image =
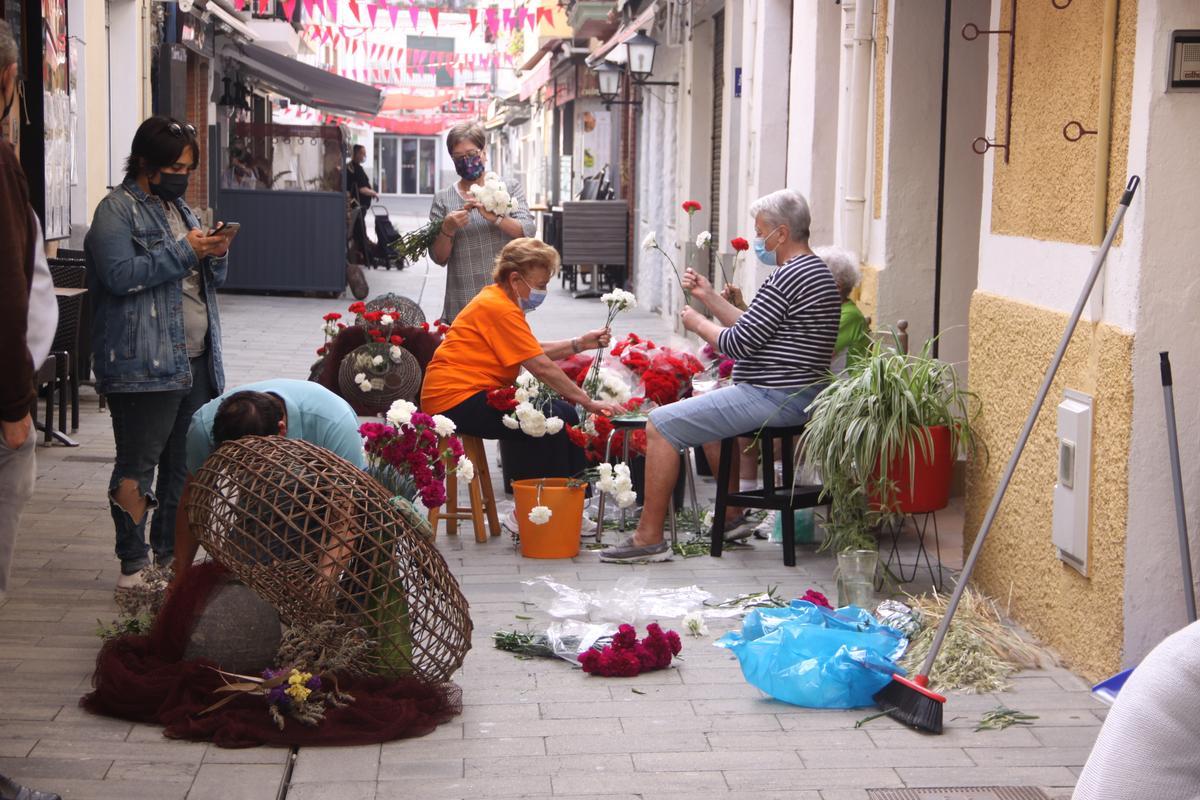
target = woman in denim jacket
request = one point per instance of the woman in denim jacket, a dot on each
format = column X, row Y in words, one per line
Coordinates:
column 156, row 334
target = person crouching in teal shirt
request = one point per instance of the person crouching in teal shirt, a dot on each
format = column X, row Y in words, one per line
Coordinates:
column 854, row 333
column 279, row 407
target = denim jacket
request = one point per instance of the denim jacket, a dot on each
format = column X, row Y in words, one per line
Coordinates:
column 135, row 276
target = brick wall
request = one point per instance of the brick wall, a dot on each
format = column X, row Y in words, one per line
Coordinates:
column 197, row 113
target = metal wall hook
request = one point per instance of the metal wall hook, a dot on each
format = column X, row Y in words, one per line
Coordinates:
column 971, row 32
column 1060, row 4
column 982, row 144
column 1078, row 129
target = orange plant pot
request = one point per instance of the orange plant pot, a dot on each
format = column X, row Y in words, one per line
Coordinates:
column 558, row 537
column 929, row 489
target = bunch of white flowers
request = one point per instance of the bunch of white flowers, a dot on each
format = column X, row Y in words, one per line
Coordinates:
column 619, row 300
column 532, row 396
column 396, row 353
column 540, row 515
column 401, row 412
column 364, row 383
column 704, row 240
column 493, row 195
column 616, row 480
column 610, row 387
column 377, row 361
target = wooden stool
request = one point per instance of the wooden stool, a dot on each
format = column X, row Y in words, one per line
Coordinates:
column 483, row 500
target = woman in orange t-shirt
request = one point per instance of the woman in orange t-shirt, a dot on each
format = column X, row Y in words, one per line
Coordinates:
column 488, row 344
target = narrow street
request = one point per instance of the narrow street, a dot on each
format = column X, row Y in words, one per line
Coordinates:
column 530, row 728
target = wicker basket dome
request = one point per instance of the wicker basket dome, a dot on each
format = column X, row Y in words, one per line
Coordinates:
column 318, row 539
column 407, row 312
column 396, row 379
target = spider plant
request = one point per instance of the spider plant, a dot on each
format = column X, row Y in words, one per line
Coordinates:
column 880, row 408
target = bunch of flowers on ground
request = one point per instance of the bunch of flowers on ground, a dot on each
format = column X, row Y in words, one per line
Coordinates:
column 412, row 451
column 290, row 692
column 616, row 480
column 626, row 657
column 525, row 405
column 493, row 195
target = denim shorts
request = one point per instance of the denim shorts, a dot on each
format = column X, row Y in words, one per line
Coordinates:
column 731, row 411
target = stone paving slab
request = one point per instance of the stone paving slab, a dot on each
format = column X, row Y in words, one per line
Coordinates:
column 530, row 728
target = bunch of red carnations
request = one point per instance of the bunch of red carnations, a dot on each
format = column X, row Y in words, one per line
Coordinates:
column 627, row 657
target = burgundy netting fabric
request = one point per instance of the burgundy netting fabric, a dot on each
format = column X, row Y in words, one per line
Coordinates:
column 144, row 679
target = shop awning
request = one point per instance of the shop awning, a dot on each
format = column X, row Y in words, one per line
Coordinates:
column 627, row 32
column 305, row 84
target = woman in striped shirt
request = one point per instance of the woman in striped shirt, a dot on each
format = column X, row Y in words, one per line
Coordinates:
column 782, row 345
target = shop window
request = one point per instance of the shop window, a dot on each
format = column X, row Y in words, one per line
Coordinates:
column 405, row 164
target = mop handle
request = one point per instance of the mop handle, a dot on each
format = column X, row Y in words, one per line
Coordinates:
column 1029, row 423
column 1185, row 553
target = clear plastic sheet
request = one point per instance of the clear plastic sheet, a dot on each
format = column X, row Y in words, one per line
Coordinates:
column 627, row 601
column 895, row 614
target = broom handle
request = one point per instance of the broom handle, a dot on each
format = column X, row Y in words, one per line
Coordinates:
column 1185, row 553
column 1029, row 423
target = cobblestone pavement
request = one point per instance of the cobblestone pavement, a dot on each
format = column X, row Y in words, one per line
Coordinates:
column 529, row 728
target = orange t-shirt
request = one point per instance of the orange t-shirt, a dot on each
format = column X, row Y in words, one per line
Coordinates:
column 483, row 350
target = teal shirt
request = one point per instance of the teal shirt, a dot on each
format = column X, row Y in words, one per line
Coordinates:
column 314, row 414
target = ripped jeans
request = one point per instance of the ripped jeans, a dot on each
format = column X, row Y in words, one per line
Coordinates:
column 150, row 430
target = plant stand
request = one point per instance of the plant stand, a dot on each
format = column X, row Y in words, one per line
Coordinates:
column 921, row 524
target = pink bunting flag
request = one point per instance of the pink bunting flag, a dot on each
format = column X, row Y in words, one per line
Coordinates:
column 331, row 9
column 493, row 20
column 508, row 19
column 545, row 15
column 239, row 4
column 372, row 10
column 394, row 13
column 414, row 13
column 289, row 8
column 308, row 8
column 433, row 16
column 354, row 9
column 473, row 15
column 264, row 6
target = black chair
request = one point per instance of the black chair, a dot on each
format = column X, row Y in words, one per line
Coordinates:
column 785, row 499
column 69, row 274
column 52, row 377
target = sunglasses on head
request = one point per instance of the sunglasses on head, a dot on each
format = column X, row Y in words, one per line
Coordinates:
column 177, row 130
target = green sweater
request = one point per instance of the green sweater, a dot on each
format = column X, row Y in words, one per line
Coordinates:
column 853, row 333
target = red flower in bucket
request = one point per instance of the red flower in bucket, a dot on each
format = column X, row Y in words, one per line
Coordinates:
column 332, row 315
column 357, row 308
column 739, row 244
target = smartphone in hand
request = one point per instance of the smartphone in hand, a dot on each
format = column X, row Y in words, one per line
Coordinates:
column 226, row 229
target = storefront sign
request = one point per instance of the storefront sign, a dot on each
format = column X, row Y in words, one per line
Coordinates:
column 737, row 81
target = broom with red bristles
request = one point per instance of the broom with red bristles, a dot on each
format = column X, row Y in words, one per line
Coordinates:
column 910, row 701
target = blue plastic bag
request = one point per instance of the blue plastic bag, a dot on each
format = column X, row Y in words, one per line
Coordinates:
column 811, row 656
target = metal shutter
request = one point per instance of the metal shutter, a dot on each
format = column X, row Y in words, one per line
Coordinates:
column 714, row 200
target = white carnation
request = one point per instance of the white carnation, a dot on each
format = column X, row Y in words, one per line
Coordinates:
column 465, row 469
column 703, row 240
column 521, row 396
column 377, row 361
column 540, row 515
column 650, row 242
column 443, row 425
column 395, row 353
column 359, row 377
column 386, row 319
column 331, row 329
column 626, row 499
column 694, row 623
column 510, row 422
column 401, row 412
column 534, row 426
column 553, row 425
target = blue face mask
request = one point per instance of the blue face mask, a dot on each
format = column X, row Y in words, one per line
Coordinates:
column 535, row 299
column 766, row 256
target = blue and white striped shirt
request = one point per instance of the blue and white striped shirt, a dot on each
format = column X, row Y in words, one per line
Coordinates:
column 785, row 339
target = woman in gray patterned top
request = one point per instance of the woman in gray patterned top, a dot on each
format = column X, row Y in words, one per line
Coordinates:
column 471, row 236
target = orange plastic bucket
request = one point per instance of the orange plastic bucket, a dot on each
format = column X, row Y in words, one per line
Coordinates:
column 558, row 537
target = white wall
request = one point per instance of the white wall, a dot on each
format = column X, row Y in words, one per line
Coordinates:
column 1166, row 241
column 128, row 81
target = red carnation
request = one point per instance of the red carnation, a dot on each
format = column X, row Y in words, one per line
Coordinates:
column 503, row 399
column 332, row 315
column 320, row 351
column 740, row 244
column 691, row 206
column 397, row 340
column 425, row 326
column 375, row 334
column 341, row 326
column 372, row 316
column 577, row 437
column 816, row 598
column 358, row 308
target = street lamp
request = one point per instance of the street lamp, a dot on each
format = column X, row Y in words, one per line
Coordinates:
column 639, row 61
column 640, row 56
column 609, row 76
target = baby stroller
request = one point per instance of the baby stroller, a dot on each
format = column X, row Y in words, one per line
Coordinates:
column 386, row 235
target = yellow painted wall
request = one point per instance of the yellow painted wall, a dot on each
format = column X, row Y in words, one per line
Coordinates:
column 1045, row 191
column 881, row 28
column 1011, row 343
column 866, row 294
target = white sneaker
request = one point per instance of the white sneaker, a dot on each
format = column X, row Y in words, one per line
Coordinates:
column 134, row 581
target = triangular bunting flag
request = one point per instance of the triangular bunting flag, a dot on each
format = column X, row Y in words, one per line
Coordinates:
column 239, row 4
column 289, row 9
column 493, row 20
column 308, row 8
column 354, row 9
column 372, row 10
column 508, row 19
column 545, row 15
column 394, row 13
column 264, row 6
column 331, row 9
column 473, row 15
column 414, row 13
column 433, row 16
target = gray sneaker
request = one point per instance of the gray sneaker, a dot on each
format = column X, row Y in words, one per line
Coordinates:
column 740, row 528
column 629, row 553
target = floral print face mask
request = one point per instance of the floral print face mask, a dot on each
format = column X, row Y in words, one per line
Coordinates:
column 469, row 167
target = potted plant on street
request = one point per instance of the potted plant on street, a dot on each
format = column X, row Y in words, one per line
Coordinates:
column 884, row 436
